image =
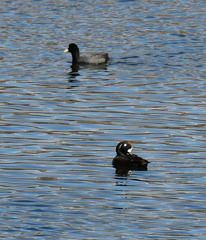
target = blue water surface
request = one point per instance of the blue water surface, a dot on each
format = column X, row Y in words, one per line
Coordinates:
column 59, row 127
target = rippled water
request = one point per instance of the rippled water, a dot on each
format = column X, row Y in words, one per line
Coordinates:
column 59, row 130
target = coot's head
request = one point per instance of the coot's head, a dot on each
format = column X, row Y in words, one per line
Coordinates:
column 74, row 50
column 124, row 148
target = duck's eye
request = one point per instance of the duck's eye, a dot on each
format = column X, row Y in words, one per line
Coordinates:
column 125, row 144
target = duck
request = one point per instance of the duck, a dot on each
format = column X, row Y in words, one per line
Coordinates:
column 126, row 160
column 89, row 58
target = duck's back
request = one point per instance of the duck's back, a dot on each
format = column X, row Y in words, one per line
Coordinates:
column 131, row 162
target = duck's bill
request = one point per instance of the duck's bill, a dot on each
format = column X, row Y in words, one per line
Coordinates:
column 129, row 150
column 66, row 50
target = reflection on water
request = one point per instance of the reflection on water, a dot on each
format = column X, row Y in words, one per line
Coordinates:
column 128, row 172
column 60, row 124
column 74, row 69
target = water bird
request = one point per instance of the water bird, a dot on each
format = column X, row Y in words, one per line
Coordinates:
column 88, row 58
column 126, row 160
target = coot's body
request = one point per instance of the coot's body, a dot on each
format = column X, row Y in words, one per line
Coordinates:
column 89, row 58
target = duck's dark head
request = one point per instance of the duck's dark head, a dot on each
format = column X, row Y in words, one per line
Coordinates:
column 74, row 50
column 124, row 148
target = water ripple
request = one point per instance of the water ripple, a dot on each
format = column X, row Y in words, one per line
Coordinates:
column 60, row 125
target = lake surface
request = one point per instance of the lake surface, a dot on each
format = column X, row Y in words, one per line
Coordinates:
column 59, row 129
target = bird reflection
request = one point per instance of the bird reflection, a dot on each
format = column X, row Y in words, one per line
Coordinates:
column 128, row 172
column 74, row 69
column 124, row 172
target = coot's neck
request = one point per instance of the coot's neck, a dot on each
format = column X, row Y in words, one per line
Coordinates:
column 75, row 56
